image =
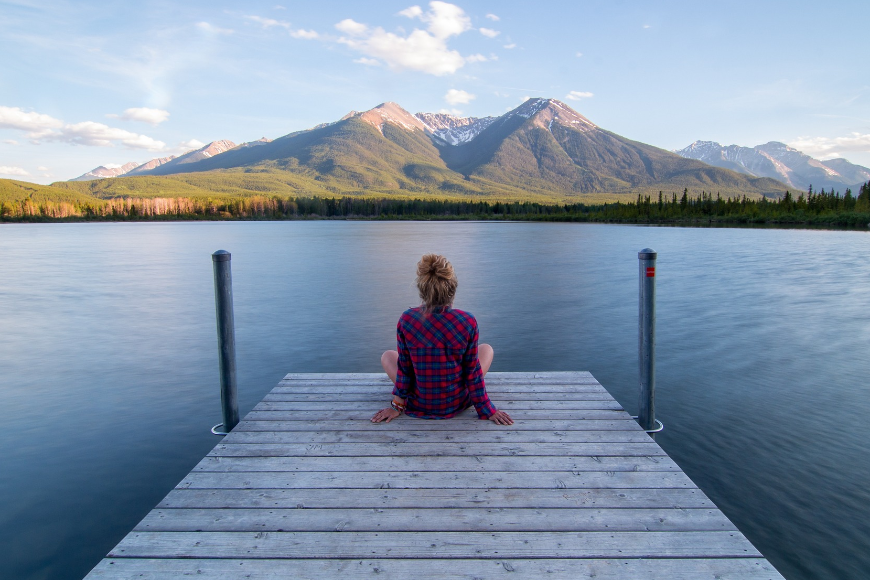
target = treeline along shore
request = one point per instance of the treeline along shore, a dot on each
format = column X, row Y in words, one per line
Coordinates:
column 827, row 209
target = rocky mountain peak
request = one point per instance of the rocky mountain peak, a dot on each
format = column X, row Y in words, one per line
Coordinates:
column 108, row 170
column 545, row 112
column 389, row 112
column 214, row 148
column 154, row 163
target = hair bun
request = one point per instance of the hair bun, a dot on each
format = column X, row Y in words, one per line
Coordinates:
column 436, row 280
column 435, row 265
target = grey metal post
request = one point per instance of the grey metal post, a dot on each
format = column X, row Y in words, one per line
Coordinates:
column 223, row 299
column 647, row 339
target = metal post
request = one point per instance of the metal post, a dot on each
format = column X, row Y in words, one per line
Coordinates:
column 223, row 298
column 647, row 340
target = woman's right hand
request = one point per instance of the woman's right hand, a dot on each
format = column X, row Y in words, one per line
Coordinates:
column 501, row 418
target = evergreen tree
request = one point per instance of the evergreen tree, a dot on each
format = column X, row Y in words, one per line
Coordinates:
column 863, row 202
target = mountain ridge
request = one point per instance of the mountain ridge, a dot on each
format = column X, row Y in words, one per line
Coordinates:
column 779, row 161
column 542, row 146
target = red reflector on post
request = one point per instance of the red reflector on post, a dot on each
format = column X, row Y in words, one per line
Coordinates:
column 651, row 272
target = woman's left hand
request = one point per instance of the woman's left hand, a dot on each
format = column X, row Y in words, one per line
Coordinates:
column 387, row 415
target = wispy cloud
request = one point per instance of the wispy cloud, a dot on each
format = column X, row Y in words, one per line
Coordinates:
column 150, row 62
column 830, row 147
column 304, row 34
column 7, row 170
column 577, row 95
column 191, row 145
column 212, row 29
column 367, row 61
column 421, row 50
column 411, row 12
column 489, row 32
column 458, row 97
column 352, row 27
column 510, row 46
column 40, row 128
column 493, row 17
column 268, row 22
column 143, row 114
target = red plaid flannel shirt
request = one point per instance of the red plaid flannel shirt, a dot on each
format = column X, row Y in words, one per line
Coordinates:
column 439, row 372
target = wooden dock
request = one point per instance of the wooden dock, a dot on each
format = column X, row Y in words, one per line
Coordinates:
column 307, row 487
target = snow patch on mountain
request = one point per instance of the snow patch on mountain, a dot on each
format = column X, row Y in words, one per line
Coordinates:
column 530, row 107
column 454, row 130
column 257, row 143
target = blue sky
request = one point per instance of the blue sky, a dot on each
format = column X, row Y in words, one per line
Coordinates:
column 84, row 84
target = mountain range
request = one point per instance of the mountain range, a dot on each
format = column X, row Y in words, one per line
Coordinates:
column 541, row 148
column 781, row 162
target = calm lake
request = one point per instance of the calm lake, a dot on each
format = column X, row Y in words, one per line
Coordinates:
column 109, row 376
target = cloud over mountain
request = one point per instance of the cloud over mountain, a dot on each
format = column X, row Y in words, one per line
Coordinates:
column 18, row 171
column 826, row 147
column 33, row 123
column 421, row 50
column 40, row 128
column 458, row 97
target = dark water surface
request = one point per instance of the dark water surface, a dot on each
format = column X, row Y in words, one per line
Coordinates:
column 108, row 359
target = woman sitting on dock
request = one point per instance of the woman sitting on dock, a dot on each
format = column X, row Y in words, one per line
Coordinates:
column 438, row 368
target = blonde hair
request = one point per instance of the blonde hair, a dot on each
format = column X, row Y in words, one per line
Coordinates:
column 436, row 281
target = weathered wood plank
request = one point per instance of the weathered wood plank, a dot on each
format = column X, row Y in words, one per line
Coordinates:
column 437, row 498
column 438, row 480
column 425, row 463
column 491, row 389
column 458, row 569
column 437, row 449
column 440, row 545
column 489, row 376
column 383, row 380
column 554, row 398
column 371, row 407
column 366, row 415
column 453, row 425
column 410, row 437
column 434, row 520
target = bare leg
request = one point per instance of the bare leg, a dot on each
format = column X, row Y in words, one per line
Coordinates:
column 390, row 362
column 485, row 354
